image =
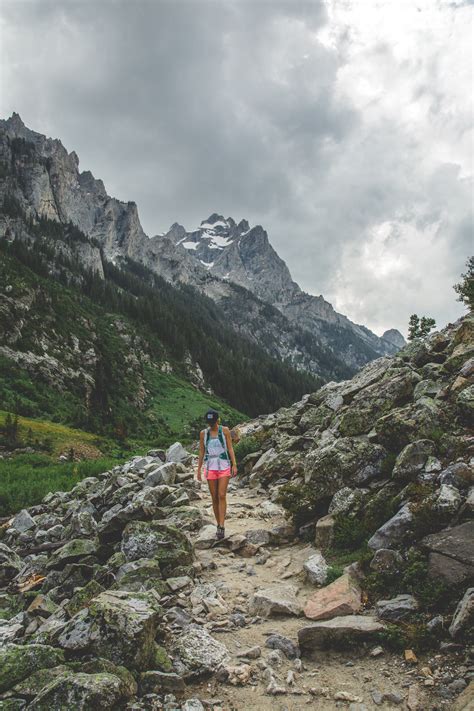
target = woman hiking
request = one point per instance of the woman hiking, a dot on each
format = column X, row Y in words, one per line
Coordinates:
column 217, row 454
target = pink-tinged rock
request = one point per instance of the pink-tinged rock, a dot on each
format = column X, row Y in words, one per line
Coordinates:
column 342, row 597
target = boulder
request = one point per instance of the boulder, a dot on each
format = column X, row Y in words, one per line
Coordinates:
column 459, row 474
column 82, row 692
column 412, row 459
column 342, row 597
column 199, row 651
column 398, row 608
column 163, row 474
column 340, row 630
column 206, row 537
column 73, row 551
column 258, row 536
column 275, row 600
column 394, row 531
column 451, row 553
column 156, row 539
column 19, row 661
column 343, row 462
column 465, row 403
column 117, row 625
column 316, row 568
column 463, row 618
column 22, row 521
column 386, row 560
column 447, row 500
column 393, row 389
column 177, row 453
column 156, row 682
column 345, row 500
column 140, row 576
column 10, row 564
column 285, row 645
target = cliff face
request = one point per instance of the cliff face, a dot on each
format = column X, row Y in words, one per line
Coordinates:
column 44, row 180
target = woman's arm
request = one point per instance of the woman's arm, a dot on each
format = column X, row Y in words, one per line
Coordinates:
column 201, row 455
column 230, row 449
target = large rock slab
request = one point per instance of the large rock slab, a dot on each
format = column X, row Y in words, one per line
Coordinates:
column 413, row 458
column 199, row 651
column 163, row 474
column 118, row 625
column 397, row 608
column 82, row 692
column 22, row 521
column 73, row 551
column 340, row 630
column 156, row 539
column 451, row 553
column 343, row 462
column 394, row 531
column 19, row 661
column 177, row 453
column 342, row 597
column 275, row 600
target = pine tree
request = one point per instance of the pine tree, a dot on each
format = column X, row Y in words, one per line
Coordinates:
column 465, row 288
column 419, row 328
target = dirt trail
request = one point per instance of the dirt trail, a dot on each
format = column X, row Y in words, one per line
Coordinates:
column 323, row 674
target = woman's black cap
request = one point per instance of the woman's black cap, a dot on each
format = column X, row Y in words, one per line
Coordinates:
column 212, row 416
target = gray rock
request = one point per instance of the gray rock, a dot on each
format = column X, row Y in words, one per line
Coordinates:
column 163, row 474
column 275, row 600
column 448, row 499
column 259, row 536
column 82, row 692
column 285, row 645
column 339, row 630
column 73, row 551
column 155, row 682
column 199, row 652
column 118, row 625
column 17, row 662
column 345, row 500
column 393, row 532
column 451, row 553
column 398, row 608
column 22, row 521
column 192, row 705
column 459, row 474
column 413, row 458
column 386, row 560
column 316, row 568
column 252, row 653
column 463, row 618
column 206, row 537
column 10, row 564
column 177, row 453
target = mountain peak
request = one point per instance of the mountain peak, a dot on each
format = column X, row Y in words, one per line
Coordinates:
column 214, row 220
column 16, row 121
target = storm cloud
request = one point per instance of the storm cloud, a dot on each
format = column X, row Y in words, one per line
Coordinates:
column 342, row 127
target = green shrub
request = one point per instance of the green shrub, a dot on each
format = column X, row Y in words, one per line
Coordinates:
column 334, row 572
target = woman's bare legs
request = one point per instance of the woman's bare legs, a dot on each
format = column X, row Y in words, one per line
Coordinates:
column 215, row 496
column 222, row 484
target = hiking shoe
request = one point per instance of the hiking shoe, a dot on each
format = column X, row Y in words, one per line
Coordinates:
column 220, row 533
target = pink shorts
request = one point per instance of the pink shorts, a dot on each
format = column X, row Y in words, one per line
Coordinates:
column 213, row 474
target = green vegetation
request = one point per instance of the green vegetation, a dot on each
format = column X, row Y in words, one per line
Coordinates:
column 26, row 478
column 412, row 578
column 465, row 288
column 419, row 328
column 249, row 444
column 408, row 635
column 127, row 320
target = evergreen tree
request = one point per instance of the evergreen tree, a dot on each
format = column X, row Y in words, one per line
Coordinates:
column 465, row 288
column 419, row 328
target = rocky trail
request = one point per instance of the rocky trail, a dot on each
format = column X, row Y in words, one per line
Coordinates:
column 364, row 677
column 115, row 595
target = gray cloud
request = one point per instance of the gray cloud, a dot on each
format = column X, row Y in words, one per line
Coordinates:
column 246, row 108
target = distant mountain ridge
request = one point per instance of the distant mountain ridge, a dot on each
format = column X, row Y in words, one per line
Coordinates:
column 221, row 258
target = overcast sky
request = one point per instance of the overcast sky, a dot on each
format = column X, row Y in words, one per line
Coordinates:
column 344, row 127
